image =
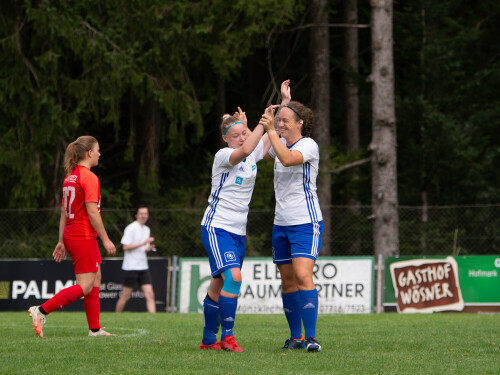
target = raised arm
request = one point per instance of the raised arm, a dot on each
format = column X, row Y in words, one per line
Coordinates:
column 250, row 143
column 286, row 95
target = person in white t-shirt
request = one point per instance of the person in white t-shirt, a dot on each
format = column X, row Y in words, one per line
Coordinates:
column 298, row 222
column 136, row 242
column 223, row 228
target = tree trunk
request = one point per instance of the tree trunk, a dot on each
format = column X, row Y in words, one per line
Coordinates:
column 320, row 104
column 350, row 16
column 383, row 144
column 146, row 140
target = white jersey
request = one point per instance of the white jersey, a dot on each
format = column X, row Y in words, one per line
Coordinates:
column 136, row 259
column 295, row 186
column 232, row 188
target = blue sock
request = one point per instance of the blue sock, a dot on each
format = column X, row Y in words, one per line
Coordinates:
column 227, row 307
column 211, row 318
column 292, row 307
column 309, row 311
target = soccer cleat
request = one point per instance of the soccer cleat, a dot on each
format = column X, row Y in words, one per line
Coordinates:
column 101, row 332
column 38, row 320
column 294, row 344
column 230, row 344
column 214, row 346
column 312, row 345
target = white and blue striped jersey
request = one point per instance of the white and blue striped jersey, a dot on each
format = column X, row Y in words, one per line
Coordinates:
column 295, row 186
column 232, row 188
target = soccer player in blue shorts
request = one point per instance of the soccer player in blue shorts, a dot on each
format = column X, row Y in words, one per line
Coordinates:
column 223, row 228
column 298, row 222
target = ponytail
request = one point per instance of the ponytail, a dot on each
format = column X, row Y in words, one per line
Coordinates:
column 76, row 151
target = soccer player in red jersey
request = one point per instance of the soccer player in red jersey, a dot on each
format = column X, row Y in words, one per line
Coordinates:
column 79, row 227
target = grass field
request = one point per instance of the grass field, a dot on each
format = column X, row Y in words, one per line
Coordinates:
column 169, row 343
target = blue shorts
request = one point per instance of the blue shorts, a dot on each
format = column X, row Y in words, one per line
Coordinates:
column 296, row 241
column 225, row 250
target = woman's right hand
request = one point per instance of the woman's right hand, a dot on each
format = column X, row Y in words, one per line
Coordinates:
column 110, row 247
column 59, row 252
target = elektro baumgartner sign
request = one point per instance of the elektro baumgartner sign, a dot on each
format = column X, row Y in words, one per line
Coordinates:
column 345, row 285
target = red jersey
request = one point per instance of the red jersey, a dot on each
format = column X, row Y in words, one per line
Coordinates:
column 79, row 187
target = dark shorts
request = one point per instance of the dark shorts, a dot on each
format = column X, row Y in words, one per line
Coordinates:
column 134, row 279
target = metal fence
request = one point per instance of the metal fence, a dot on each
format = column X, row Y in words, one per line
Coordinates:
column 458, row 230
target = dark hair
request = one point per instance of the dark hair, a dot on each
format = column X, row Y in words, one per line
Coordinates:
column 76, row 151
column 301, row 112
column 141, row 206
column 226, row 121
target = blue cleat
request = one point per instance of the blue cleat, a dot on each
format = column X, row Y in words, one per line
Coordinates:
column 312, row 345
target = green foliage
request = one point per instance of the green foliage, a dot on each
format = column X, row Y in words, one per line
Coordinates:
column 447, row 109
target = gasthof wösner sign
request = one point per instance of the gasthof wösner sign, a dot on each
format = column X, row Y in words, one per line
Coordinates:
column 427, row 285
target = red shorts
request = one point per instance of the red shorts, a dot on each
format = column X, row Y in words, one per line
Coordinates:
column 84, row 253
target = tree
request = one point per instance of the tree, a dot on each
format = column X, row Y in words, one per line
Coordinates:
column 351, row 97
column 383, row 144
column 320, row 105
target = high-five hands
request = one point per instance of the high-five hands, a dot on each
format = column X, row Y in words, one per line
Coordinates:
column 267, row 119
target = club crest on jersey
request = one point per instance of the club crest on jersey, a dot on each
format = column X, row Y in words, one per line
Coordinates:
column 254, row 167
column 239, row 180
column 71, row 178
column 230, row 257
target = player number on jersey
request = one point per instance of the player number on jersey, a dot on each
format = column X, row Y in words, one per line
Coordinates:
column 69, row 197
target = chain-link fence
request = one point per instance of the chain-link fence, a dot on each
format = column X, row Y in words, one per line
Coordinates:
column 456, row 230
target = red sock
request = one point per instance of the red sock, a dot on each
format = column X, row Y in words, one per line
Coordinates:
column 92, row 305
column 63, row 298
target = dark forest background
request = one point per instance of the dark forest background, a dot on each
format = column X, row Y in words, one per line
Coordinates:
column 150, row 80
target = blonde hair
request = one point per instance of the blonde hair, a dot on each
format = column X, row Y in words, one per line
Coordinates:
column 76, row 151
column 226, row 121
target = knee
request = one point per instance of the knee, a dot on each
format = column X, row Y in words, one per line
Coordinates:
column 150, row 295
column 232, row 283
column 86, row 288
column 304, row 280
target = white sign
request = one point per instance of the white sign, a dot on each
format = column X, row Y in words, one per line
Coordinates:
column 345, row 285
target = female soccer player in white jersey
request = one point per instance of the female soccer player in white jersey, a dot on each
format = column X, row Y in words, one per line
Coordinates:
column 223, row 228
column 298, row 223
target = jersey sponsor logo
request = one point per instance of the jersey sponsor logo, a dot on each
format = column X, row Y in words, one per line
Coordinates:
column 239, row 180
column 71, row 178
column 230, row 256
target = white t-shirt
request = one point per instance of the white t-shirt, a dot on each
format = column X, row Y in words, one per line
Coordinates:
column 295, row 186
column 136, row 259
column 232, row 188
